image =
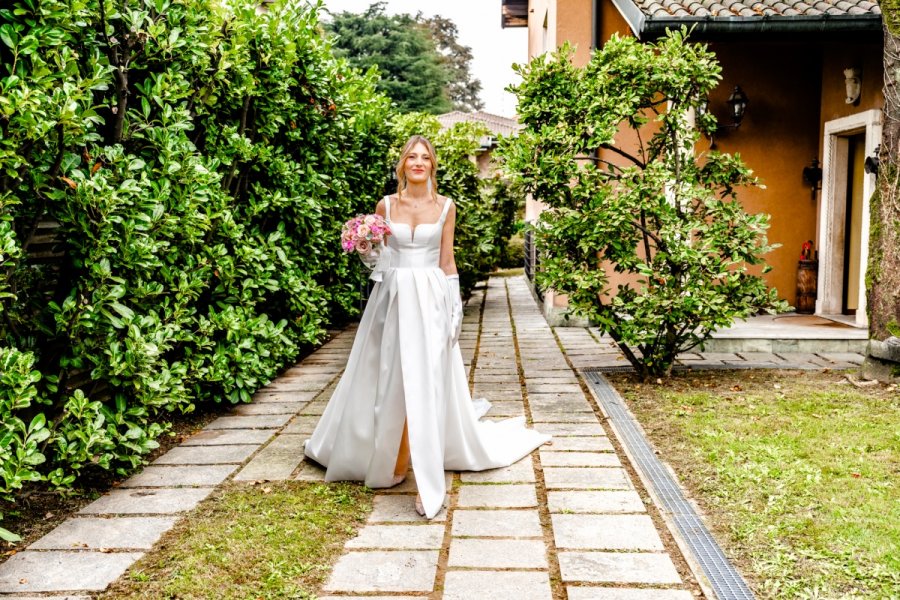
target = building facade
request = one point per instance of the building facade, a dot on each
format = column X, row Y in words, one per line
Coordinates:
column 813, row 77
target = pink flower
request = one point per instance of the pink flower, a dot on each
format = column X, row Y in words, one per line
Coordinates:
column 363, row 246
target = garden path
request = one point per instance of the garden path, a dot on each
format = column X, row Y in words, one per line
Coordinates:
column 571, row 520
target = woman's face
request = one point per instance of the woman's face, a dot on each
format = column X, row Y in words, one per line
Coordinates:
column 417, row 167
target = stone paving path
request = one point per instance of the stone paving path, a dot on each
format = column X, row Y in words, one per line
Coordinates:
column 566, row 522
column 588, row 347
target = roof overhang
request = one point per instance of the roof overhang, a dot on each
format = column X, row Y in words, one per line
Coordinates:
column 513, row 13
column 822, row 27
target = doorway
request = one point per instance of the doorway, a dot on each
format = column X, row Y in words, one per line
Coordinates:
column 844, row 216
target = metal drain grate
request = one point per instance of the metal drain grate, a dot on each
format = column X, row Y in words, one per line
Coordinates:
column 726, row 582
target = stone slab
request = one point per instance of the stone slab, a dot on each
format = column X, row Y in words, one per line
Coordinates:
column 277, row 461
column 496, row 523
column 586, row 501
column 519, row 472
column 269, row 408
column 559, row 402
column 296, row 385
column 605, row 532
column 497, row 496
column 303, row 425
column 283, row 397
column 127, row 533
column 55, row 571
column 399, row 537
column 497, row 554
column 374, row 571
column 397, row 508
column 501, row 408
column 843, row 357
column 215, row 437
column 249, row 422
column 578, row 444
column 560, row 379
column 579, row 459
column 311, row 472
column 163, row 501
column 510, row 378
column 543, row 416
column 206, row 455
column 573, row 429
column 498, row 585
column 617, row 567
column 603, row 593
column 205, row 475
column 409, row 484
column 315, row 408
column 586, row 478
column 552, row 388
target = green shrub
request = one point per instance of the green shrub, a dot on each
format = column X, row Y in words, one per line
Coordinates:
column 660, row 214
column 194, row 162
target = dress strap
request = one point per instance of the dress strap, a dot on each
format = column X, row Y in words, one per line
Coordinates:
column 445, row 210
column 387, row 208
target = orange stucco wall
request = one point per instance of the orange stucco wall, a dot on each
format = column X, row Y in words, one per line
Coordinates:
column 777, row 138
column 794, row 88
column 566, row 20
column 611, row 21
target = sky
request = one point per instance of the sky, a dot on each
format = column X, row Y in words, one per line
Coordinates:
column 494, row 49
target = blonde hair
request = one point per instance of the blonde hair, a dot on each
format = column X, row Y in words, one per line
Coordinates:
column 404, row 154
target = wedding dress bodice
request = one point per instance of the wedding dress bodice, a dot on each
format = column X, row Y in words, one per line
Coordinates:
column 414, row 248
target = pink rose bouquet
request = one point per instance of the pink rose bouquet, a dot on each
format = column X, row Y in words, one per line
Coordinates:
column 364, row 234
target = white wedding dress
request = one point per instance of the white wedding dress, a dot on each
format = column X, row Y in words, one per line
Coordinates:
column 402, row 367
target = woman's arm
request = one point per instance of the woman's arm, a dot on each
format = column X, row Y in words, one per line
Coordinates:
column 379, row 208
column 448, row 261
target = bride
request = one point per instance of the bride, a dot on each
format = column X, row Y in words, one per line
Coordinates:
column 404, row 395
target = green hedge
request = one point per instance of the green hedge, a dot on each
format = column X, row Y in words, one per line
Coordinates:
column 198, row 161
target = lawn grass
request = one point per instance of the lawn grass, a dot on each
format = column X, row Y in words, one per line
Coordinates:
column 272, row 540
column 798, row 473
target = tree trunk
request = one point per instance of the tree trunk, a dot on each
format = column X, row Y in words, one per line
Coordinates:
column 883, row 277
column 884, row 245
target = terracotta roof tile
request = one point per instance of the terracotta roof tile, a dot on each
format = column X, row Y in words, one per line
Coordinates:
column 755, row 8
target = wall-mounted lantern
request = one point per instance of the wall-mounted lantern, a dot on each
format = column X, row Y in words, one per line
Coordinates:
column 737, row 108
column 812, row 176
column 870, row 166
column 738, row 102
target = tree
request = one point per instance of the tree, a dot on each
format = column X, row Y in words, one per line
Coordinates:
column 423, row 66
column 463, row 89
column 661, row 215
column 413, row 73
column 883, row 276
